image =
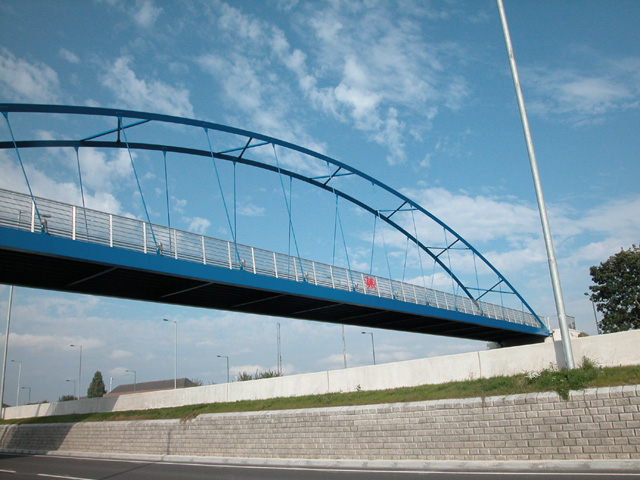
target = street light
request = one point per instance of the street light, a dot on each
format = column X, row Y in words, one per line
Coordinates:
column 542, row 209
column 344, row 348
column 79, row 369
column 175, row 354
column 135, row 379
column 19, row 377
column 4, row 357
column 595, row 317
column 29, row 388
column 373, row 347
column 224, row 356
column 74, row 386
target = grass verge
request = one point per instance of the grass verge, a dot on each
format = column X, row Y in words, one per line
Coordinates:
column 588, row 375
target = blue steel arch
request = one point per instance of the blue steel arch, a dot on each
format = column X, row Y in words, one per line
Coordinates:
column 406, row 204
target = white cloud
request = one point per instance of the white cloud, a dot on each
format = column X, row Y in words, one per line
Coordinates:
column 251, row 210
column 336, row 361
column 585, row 96
column 241, row 83
column 104, row 171
column 147, row 95
column 69, row 56
column 477, row 219
column 380, row 66
column 53, row 341
column 102, row 175
column 120, row 354
column 359, row 65
column 146, row 13
column 24, row 81
column 119, row 371
column 199, row 225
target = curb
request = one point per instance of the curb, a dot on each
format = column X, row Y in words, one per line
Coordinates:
column 534, row 466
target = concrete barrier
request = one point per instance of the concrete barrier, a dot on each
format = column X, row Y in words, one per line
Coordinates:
column 606, row 350
column 601, row 424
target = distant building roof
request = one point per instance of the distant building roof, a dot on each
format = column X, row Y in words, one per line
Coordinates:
column 150, row 386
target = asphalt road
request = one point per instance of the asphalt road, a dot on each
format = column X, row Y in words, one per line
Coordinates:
column 18, row 467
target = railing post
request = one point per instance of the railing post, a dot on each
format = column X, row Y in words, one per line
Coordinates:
column 110, row 230
column 144, row 237
column 295, row 268
column 175, row 244
column 229, row 255
column 275, row 265
column 364, row 285
column 415, row 297
column 33, row 216
column 333, row 285
column 204, row 253
column 253, row 261
column 315, row 279
column 73, row 223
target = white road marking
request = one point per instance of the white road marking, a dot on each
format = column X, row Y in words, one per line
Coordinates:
column 63, row 476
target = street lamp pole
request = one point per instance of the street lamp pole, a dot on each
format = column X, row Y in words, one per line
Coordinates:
column 19, row 378
column 6, row 348
column 29, row 388
column 344, row 348
column 595, row 316
column 175, row 353
column 224, row 356
column 373, row 347
column 551, row 256
column 135, row 379
column 79, row 370
column 74, row 386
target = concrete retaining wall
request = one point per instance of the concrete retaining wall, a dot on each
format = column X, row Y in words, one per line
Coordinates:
column 594, row 424
column 606, row 350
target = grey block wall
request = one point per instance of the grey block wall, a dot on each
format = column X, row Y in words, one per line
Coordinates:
column 593, row 424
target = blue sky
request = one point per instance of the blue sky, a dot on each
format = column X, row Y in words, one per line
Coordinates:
column 417, row 94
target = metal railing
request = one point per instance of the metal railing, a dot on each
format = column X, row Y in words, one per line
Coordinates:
column 85, row 225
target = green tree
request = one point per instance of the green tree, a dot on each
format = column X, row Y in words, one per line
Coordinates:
column 96, row 387
column 244, row 377
column 616, row 292
column 267, row 374
column 66, row 398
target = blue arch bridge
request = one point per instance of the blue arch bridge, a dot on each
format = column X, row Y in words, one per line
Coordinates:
column 49, row 244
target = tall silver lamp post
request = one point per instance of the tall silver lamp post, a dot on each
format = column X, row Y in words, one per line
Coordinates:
column 19, row 379
column 344, row 348
column 175, row 353
column 74, row 386
column 6, row 348
column 224, row 356
column 553, row 267
column 279, row 354
column 29, row 398
column 373, row 347
column 79, row 369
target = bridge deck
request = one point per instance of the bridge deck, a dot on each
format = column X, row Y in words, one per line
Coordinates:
column 107, row 255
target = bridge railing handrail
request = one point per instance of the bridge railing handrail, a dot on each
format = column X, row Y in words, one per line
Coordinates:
column 76, row 223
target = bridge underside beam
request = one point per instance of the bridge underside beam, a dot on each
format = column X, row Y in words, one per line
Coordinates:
column 41, row 261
